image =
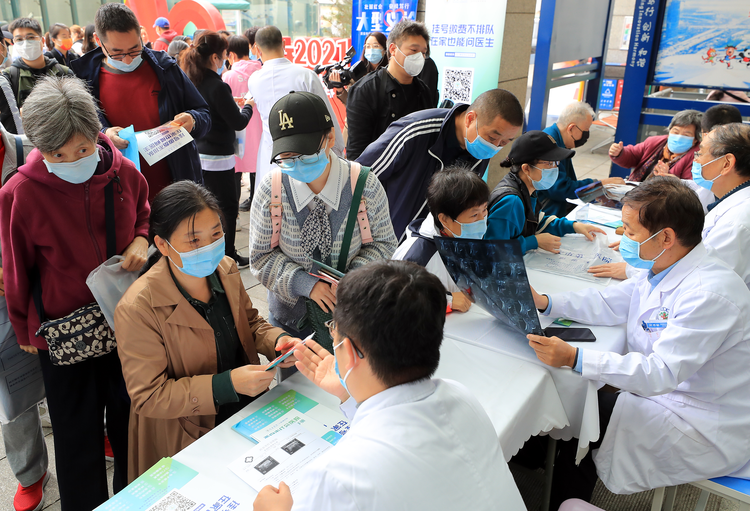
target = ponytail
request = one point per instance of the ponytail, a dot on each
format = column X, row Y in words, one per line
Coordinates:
column 54, row 31
column 196, row 61
column 48, row 42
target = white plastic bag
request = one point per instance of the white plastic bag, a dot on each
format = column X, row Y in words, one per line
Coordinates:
column 21, row 385
column 108, row 282
column 239, row 143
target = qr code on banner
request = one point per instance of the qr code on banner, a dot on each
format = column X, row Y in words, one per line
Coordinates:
column 174, row 501
column 457, row 84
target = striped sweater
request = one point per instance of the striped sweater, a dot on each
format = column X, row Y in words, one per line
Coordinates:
column 283, row 270
column 406, row 157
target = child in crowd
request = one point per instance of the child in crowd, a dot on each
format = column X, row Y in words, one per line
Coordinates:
column 457, row 199
column 515, row 212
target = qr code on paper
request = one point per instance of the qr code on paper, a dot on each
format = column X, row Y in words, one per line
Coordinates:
column 174, row 501
column 457, row 84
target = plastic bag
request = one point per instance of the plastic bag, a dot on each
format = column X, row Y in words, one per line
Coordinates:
column 108, row 282
column 21, row 384
column 239, row 143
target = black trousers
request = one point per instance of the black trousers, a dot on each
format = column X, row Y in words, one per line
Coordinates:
column 77, row 396
column 569, row 481
column 223, row 184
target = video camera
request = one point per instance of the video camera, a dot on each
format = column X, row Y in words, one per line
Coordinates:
column 347, row 71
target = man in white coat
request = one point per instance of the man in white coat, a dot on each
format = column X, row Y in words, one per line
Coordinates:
column 414, row 442
column 721, row 168
column 276, row 79
column 683, row 413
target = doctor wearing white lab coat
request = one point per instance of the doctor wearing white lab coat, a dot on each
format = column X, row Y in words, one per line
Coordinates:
column 277, row 78
column 414, row 443
column 684, row 411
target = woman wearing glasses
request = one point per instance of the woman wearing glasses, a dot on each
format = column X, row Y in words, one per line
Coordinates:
column 204, row 63
column 310, row 213
column 515, row 212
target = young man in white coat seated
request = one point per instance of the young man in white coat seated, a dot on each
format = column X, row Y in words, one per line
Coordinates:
column 457, row 199
column 414, row 442
column 683, row 410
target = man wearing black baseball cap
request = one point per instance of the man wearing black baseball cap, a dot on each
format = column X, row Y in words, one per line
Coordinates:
column 515, row 212
column 300, row 213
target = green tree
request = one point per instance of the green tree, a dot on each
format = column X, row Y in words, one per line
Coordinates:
column 338, row 19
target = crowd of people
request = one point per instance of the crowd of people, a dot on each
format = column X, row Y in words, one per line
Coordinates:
column 188, row 349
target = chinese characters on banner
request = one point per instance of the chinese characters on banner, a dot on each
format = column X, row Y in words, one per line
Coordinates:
column 644, row 28
column 370, row 16
column 465, row 42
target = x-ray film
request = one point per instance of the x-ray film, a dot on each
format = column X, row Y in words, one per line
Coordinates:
column 492, row 273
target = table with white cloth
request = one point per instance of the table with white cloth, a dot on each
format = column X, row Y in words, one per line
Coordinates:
column 519, row 396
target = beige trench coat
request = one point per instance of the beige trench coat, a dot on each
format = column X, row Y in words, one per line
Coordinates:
column 168, row 354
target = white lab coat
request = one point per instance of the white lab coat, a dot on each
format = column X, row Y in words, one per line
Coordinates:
column 276, row 79
column 705, row 196
column 685, row 412
column 727, row 231
column 426, row 445
column 435, row 265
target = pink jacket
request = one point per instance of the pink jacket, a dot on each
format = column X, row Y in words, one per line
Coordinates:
column 237, row 79
column 633, row 156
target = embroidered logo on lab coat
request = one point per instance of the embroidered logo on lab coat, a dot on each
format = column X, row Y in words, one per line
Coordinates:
column 663, row 313
column 285, row 121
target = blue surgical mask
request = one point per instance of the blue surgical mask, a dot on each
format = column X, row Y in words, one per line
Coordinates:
column 480, row 148
column 471, row 231
column 221, row 69
column 698, row 174
column 678, row 144
column 253, row 57
column 631, row 253
column 336, row 368
column 549, row 177
column 306, row 168
column 202, row 261
column 126, row 68
column 374, row 55
column 75, row 172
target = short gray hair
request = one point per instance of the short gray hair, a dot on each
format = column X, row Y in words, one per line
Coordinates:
column 575, row 112
column 686, row 118
column 56, row 110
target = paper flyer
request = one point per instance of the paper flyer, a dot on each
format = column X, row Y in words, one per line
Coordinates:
column 293, row 408
column 158, row 143
column 201, row 494
column 280, row 457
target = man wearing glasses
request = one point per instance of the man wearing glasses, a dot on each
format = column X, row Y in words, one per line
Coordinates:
column 26, row 70
column 414, row 442
column 144, row 88
column 570, row 131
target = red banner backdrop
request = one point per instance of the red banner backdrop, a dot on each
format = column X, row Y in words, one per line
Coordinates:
column 203, row 14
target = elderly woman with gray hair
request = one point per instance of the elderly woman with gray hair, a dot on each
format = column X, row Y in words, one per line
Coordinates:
column 663, row 154
column 54, row 232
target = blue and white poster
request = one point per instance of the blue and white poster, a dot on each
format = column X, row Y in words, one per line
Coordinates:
column 378, row 16
column 607, row 96
column 705, row 44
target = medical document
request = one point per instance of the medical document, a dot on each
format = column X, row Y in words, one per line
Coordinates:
column 158, row 143
column 577, row 255
column 280, row 457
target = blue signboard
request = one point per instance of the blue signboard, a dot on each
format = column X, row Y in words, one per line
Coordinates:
column 607, row 96
column 378, row 16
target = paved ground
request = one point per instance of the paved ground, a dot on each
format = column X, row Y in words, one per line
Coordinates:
column 587, row 165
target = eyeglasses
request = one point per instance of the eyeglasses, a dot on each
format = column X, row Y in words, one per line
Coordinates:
column 289, row 163
column 27, row 38
column 119, row 56
column 331, row 324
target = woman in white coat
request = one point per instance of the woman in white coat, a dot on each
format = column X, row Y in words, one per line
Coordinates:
column 684, row 411
column 721, row 167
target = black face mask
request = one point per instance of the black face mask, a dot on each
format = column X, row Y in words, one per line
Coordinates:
column 584, row 138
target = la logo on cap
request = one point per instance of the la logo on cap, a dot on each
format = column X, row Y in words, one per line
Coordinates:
column 285, row 121
column 328, row 119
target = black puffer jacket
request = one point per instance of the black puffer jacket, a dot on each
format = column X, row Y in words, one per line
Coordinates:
column 226, row 118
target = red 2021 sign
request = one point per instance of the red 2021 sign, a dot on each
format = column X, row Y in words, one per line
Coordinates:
column 313, row 51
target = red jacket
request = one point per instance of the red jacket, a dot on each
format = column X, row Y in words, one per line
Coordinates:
column 159, row 44
column 59, row 227
column 633, row 156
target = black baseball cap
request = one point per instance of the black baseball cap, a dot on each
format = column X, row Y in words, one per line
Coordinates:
column 297, row 123
column 537, row 145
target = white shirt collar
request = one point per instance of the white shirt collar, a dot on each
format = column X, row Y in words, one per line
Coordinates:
column 331, row 193
column 393, row 396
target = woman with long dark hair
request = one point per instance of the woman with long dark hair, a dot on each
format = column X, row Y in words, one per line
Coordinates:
column 187, row 332
column 204, row 63
column 88, row 39
column 60, row 44
column 373, row 53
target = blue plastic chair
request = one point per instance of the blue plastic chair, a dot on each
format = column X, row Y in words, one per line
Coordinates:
column 732, row 488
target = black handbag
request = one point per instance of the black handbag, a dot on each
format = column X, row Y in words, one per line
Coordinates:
column 317, row 317
column 84, row 333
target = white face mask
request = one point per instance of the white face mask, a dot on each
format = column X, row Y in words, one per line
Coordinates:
column 28, row 50
column 413, row 64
